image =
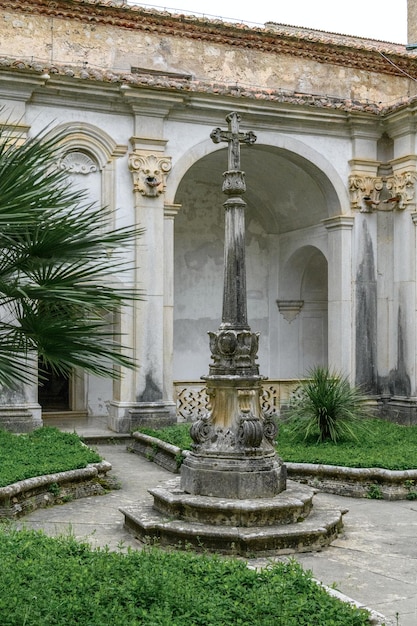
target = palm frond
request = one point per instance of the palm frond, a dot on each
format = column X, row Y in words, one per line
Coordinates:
column 58, row 253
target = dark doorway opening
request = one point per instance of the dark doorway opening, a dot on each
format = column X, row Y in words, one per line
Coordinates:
column 53, row 390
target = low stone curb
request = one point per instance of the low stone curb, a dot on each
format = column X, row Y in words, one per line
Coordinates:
column 344, row 481
column 27, row 495
column 356, row 482
column 164, row 454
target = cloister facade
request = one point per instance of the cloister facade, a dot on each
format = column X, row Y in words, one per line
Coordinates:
column 331, row 205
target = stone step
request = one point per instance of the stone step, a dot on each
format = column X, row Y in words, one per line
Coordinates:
column 317, row 531
column 290, row 506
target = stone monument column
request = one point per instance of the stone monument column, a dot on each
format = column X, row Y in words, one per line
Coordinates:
column 233, row 454
column 232, row 495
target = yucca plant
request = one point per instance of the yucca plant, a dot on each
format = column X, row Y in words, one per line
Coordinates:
column 57, row 258
column 324, row 407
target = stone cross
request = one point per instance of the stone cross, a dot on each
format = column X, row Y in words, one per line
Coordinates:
column 234, row 138
column 234, row 286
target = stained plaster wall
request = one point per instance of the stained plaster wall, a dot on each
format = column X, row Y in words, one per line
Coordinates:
column 107, row 46
column 199, row 239
column 385, row 295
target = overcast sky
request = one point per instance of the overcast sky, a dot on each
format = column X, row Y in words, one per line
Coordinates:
column 375, row 19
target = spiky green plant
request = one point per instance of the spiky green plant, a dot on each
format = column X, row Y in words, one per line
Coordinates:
column 325, row 405
column 58, row 254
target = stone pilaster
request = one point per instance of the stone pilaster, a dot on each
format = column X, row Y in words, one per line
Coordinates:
column 150, row 403
column 412, row 22
column 170, row 212
column 339, row 231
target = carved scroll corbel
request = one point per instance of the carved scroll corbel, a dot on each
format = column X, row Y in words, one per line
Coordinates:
column 149, row 173
column 364, row 192
column 402, row 187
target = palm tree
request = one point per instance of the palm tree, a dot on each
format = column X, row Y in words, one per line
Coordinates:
column 57, row 256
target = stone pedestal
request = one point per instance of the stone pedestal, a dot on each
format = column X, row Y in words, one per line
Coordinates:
column 125, row 417
column 239, row 478
column 233, row 455
column 284, row 524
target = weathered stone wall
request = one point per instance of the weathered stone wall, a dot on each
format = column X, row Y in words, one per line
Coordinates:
column 412, row 21
column 213, row 57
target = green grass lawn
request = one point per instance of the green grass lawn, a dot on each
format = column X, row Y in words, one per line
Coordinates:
column 60, row 582
column 43, row 451
column 379, row 444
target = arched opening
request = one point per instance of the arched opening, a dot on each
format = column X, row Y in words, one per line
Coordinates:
column 287, row 199
column 88, row 156
column 303, row 305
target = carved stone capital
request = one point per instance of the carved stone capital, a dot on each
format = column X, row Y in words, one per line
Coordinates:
column 234, row 182
column 403, row 188
column 149, row 173
column 365, row 191
column 234, row 352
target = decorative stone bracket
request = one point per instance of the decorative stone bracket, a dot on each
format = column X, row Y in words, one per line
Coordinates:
column 149, row 173
column 365, row 191
column 289, row 309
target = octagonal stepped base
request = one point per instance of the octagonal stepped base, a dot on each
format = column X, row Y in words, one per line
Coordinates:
column 292, row 505
column 276, row 525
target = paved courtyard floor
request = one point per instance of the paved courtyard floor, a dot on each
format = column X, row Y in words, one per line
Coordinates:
column 373, row 562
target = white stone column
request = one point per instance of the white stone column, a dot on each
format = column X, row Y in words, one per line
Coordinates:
column 148, row 402
column 340, row 308
column 170, row 212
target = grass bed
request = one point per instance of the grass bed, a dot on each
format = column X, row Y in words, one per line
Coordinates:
column 43, row 451
column 53, row 581
column 380, row 444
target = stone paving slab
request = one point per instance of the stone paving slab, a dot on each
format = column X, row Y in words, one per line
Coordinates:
column 373, row 562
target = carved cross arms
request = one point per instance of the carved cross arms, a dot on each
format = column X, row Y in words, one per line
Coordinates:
column 234, row 138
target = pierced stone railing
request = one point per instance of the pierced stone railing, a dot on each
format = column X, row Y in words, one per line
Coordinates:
column 191, row 397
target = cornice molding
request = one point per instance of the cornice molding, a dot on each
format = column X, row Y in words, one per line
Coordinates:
column 367, row 55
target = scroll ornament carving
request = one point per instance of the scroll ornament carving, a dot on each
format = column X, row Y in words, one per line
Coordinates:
column 365, row 191
column 77, row 163
column 250, row 431
column 149, row 173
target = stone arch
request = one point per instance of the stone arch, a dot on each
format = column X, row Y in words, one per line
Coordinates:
column 278, row 220
column 295, row 150
column 90, row 139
